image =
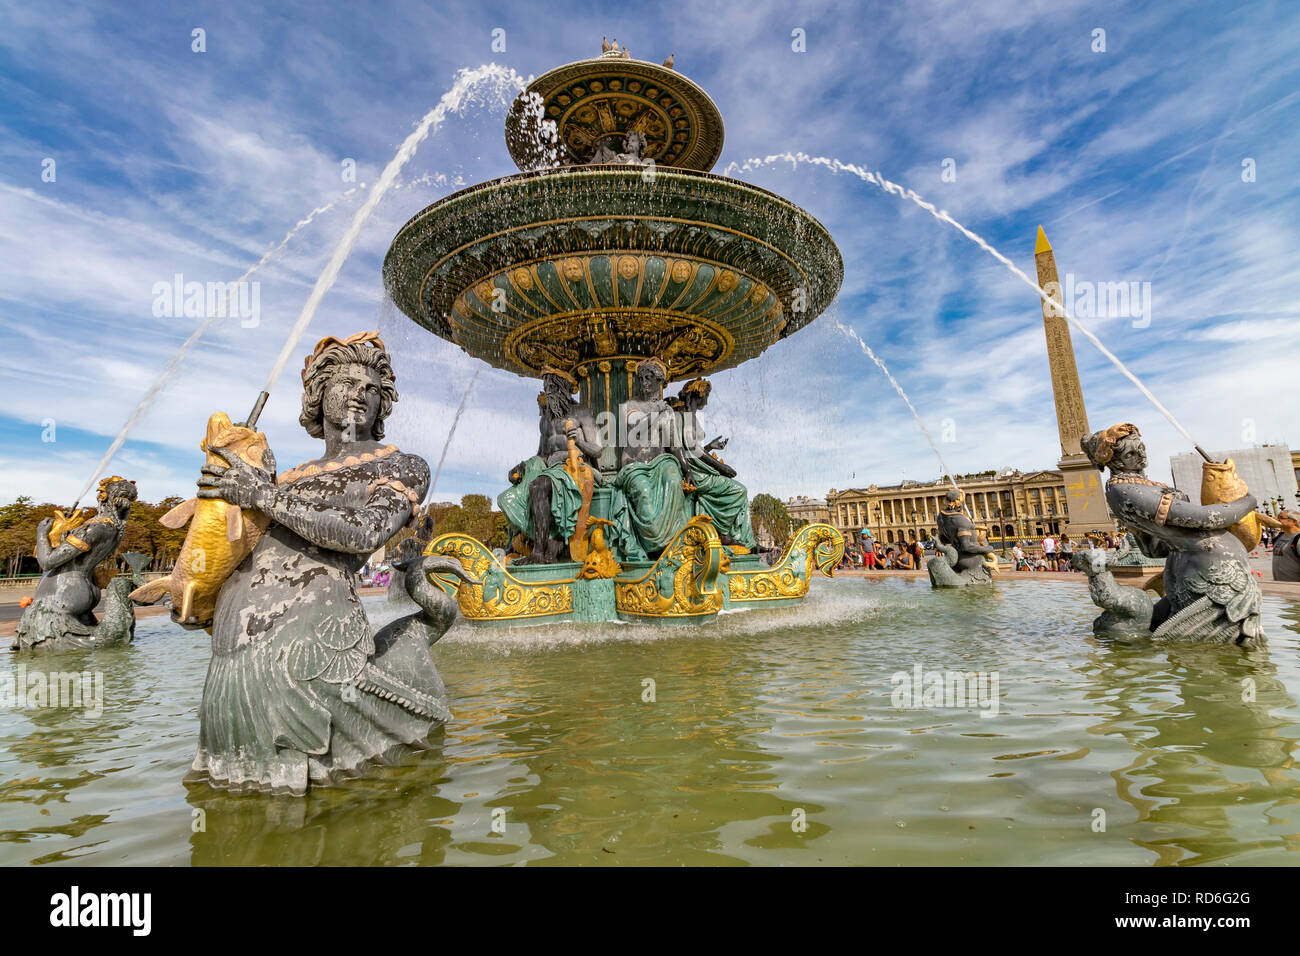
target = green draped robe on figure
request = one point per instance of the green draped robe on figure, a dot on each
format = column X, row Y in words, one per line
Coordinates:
column 723, row 499
column 656, row 504
column 566, row 502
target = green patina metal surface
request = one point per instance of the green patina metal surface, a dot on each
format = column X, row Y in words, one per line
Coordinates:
column 575, row 265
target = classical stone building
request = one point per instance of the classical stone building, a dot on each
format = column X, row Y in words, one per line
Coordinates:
column 1008, row 504
column 812, row 510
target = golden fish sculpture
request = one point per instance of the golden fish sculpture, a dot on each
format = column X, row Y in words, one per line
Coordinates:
column 220, row 536
column 1221, row 484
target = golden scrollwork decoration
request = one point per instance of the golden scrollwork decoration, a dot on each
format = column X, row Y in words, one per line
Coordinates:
column 814, row 547
column 683, row 583
column 500, row 596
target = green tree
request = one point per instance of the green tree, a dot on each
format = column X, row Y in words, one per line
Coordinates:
column 473, row 517
column 770, row 519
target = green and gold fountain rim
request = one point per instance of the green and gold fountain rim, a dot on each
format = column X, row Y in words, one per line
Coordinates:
column 603, row 98
column 703, row 271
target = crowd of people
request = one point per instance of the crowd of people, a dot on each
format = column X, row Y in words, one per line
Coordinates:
column 1054, row 553
column 1050, row 554
column 872, row 555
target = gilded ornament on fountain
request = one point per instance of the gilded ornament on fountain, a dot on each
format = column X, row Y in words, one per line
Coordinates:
column 612, row 247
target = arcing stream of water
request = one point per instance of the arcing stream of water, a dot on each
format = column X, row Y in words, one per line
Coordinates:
column 502, row 78
column 156, row 388
column 901, row 394
column 875, row 179
column 466, row 84
column 451, row 432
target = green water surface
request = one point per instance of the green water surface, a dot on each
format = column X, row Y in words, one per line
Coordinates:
column 773, row 738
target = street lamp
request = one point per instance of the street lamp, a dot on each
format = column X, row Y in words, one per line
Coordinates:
column 1002, row 534
column 880, row 524
column 915, row 534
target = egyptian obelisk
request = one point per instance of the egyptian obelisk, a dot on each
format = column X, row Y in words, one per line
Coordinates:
column 1084, row 494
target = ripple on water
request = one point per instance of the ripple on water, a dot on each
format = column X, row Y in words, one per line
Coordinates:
column 760, row 720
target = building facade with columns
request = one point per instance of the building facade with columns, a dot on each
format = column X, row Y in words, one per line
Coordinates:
column 1008, row 504
column 812, row 510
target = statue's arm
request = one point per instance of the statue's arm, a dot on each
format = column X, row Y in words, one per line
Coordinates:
column 50, row 558
column 391, row 503
column 541, row 435
column 968, row 540
column 722, row 466
column 1217, row 517
column 588, row 438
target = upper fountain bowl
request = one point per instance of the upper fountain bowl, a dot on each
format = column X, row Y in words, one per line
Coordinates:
column 598, row 101
column 564, row 267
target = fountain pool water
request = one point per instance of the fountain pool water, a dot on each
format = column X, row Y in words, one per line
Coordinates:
column 756, row 716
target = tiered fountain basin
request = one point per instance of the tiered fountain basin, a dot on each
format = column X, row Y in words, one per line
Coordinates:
column 587, row 268
column 694, row 579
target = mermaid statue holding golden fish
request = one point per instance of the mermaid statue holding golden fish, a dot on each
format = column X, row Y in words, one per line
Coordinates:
column 70, row 550
column 1210, row 595
column 300, row 690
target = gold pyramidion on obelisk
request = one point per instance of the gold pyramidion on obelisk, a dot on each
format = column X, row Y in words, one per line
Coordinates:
column 1084, row 496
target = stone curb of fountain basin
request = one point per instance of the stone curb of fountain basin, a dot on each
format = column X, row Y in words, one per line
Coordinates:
column 1286, row 589
column 12, row 612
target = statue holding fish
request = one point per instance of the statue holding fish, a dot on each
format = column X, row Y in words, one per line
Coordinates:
column 1209, row 594
column 71, row 550
column 300, row 690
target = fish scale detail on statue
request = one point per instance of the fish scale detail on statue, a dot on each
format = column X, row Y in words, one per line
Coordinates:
column 300, row 690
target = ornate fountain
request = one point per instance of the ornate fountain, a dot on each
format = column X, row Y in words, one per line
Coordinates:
column 613, row 264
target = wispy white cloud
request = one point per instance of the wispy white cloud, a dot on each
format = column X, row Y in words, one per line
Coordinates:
column 171, row 161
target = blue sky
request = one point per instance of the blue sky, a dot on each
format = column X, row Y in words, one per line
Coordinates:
column 170, row 161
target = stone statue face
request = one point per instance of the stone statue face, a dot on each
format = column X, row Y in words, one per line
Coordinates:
column 120, row 496
column 352, row 398
column 648, row 381
column 1130, row 455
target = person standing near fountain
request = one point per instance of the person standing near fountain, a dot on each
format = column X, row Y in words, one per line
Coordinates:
column 299, row 690
column 62, row 612
column 717, row 493
column 1210, row 596
column 1286, row 554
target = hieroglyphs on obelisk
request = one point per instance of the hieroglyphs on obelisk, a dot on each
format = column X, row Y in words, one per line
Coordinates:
column 1084, row 494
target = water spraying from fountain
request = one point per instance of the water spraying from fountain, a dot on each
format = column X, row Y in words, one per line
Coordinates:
column 451, row 432
column 502, row 78
column 160, row 383
column 901, row 394
column 875, row 179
